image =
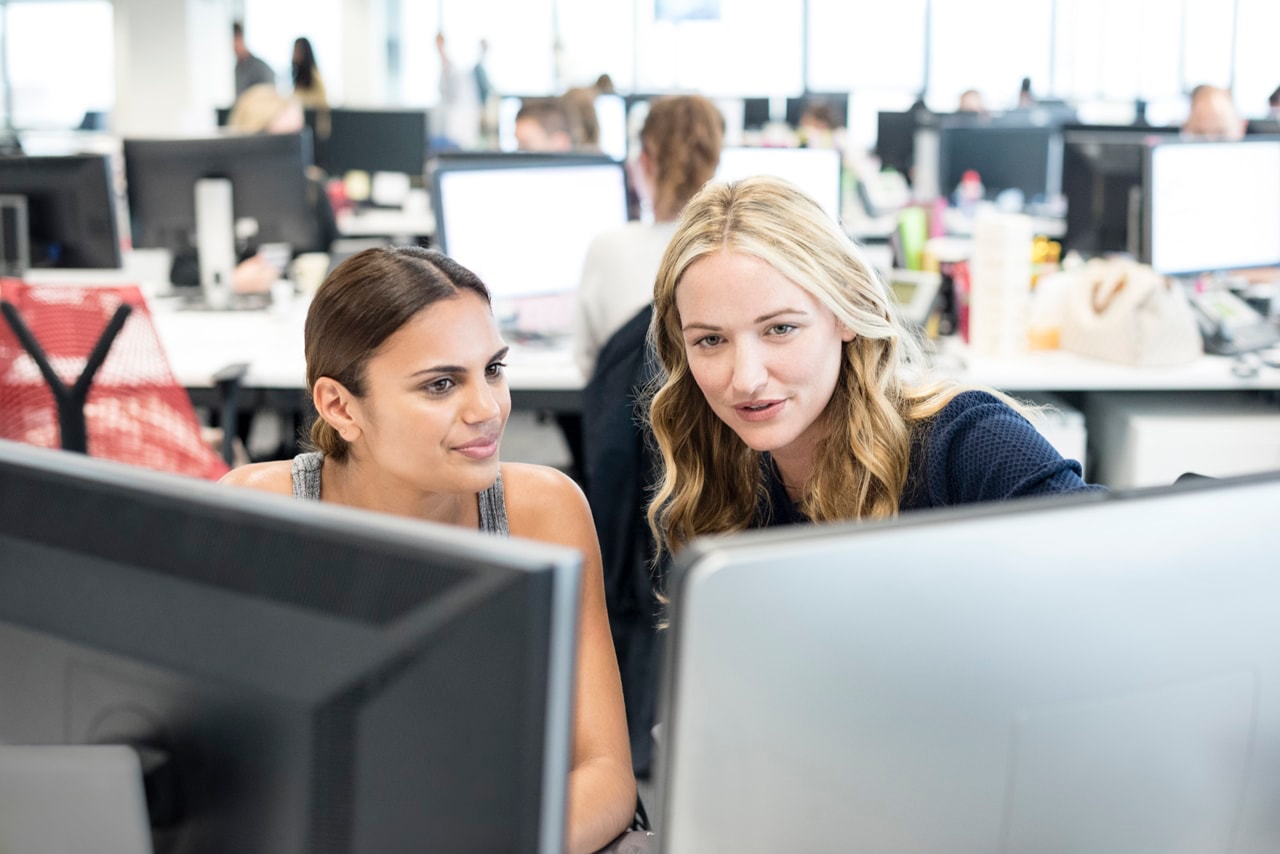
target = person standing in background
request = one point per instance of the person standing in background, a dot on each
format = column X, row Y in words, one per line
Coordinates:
column 308, row 86
column 459, row 101
column 250, row 70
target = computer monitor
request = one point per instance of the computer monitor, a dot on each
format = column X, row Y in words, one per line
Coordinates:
column 836, row 102
column 816, row 171
column 69, row 212
column 1077, row 673
column 376, row 141
column 1102, row 183
column 268, row 188
column 1212, row 206
column 611, row 115
column 896, row 140
column 299, row 676
column 1263, row 127
column 523, row 224
column 755, row 113
column 1006, row 153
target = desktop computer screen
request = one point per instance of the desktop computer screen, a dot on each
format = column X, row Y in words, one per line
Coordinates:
column 611, row 115
column 1074, row 673
column 837, row 104
column 814, row 170
column 70, row 218
column 523, row 223
column 376, row 141
column 1212, row 205
column 296, row 676
column 896, row 141
column 267, row 175
column 1102, row 182
column 1006, row 154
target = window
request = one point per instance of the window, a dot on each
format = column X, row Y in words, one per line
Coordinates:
column 56, row 88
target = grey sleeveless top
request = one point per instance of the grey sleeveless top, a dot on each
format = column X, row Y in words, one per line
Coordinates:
column 493, row 506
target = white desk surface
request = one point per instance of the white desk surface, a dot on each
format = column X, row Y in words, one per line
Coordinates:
column 200, row 343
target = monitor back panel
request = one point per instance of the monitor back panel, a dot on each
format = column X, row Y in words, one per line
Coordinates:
column 1070, row 675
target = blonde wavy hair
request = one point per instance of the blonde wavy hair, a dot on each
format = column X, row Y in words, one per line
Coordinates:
column 711, row 481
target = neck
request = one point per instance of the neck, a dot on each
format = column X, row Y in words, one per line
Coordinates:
column 354, row 484
column 793, row 470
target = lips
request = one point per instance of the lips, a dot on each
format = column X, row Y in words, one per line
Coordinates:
column 479, row 448
column 759, row 410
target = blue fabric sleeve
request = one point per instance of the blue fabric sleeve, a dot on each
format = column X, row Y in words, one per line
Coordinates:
column 981, row 449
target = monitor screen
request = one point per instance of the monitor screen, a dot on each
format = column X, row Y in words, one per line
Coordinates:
column 376, row 141
column 1102, row 182
column 268, row 188
column 755, row 113
column 896, row 141
column 611, row 115
column 523, row 223
column 1076, row 673
column 1005, row 153
column 71, row 211
column 837, row 104
column 299, row 676
column 816, row 171
column 1212, row 205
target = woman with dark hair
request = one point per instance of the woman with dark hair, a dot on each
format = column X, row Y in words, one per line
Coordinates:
column 308, row 87
column 405, row 367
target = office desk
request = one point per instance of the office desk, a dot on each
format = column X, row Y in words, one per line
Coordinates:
column 270, row 341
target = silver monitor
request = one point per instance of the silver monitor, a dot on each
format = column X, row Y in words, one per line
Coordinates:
column 816, row 171
column 1088, row 673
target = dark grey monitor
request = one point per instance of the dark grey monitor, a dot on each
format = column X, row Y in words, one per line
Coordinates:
column 299, row 677
column 376, row 141
column 268, row 183
column 1005, row 152
column 70, row 211
column 1087, row 673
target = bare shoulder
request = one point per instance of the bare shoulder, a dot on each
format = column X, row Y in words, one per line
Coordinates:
column 275, row 476
column 544, row 503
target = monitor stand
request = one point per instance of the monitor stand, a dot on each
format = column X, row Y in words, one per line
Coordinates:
column 215, row 241
column 15, row 236
column 87, row 797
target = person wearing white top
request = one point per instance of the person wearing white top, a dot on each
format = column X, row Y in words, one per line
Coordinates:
column 680, row 150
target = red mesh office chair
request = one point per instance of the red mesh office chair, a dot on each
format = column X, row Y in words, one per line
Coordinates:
column 82, row 368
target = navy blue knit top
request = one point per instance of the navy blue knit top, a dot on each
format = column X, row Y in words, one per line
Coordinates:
column 977, row 448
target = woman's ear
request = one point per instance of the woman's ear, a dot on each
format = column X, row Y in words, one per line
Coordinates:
column 338, row 406
column 846, row 334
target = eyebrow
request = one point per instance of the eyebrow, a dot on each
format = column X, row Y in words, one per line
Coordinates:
column 459, row 369
column 761, row 319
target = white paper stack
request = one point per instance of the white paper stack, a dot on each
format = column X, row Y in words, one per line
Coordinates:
column 1000, row 284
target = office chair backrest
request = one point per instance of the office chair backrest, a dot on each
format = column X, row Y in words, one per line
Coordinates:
column 82, row 368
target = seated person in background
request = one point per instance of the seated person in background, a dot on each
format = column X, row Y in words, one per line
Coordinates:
column 679, row 152
column 1274, row 103
column 404, row 365
column 795, row 394
column 817, row 128
column 543, row 124
column 1213, row 115
column 971, row 102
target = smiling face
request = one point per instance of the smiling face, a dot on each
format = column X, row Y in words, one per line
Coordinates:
column 436, row 401
column 764, row 352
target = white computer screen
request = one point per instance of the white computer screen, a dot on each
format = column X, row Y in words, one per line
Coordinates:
column 524, row 229
column 1214, row 206
column 814, row 170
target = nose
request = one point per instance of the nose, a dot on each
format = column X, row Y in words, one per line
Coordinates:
column 484, row 403
column 750, row 374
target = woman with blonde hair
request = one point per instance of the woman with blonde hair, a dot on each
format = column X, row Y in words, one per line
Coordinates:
column 793, row 393
column 680, row 150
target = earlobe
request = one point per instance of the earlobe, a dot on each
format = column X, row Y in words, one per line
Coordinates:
column 846, row 334
column 338, row 406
